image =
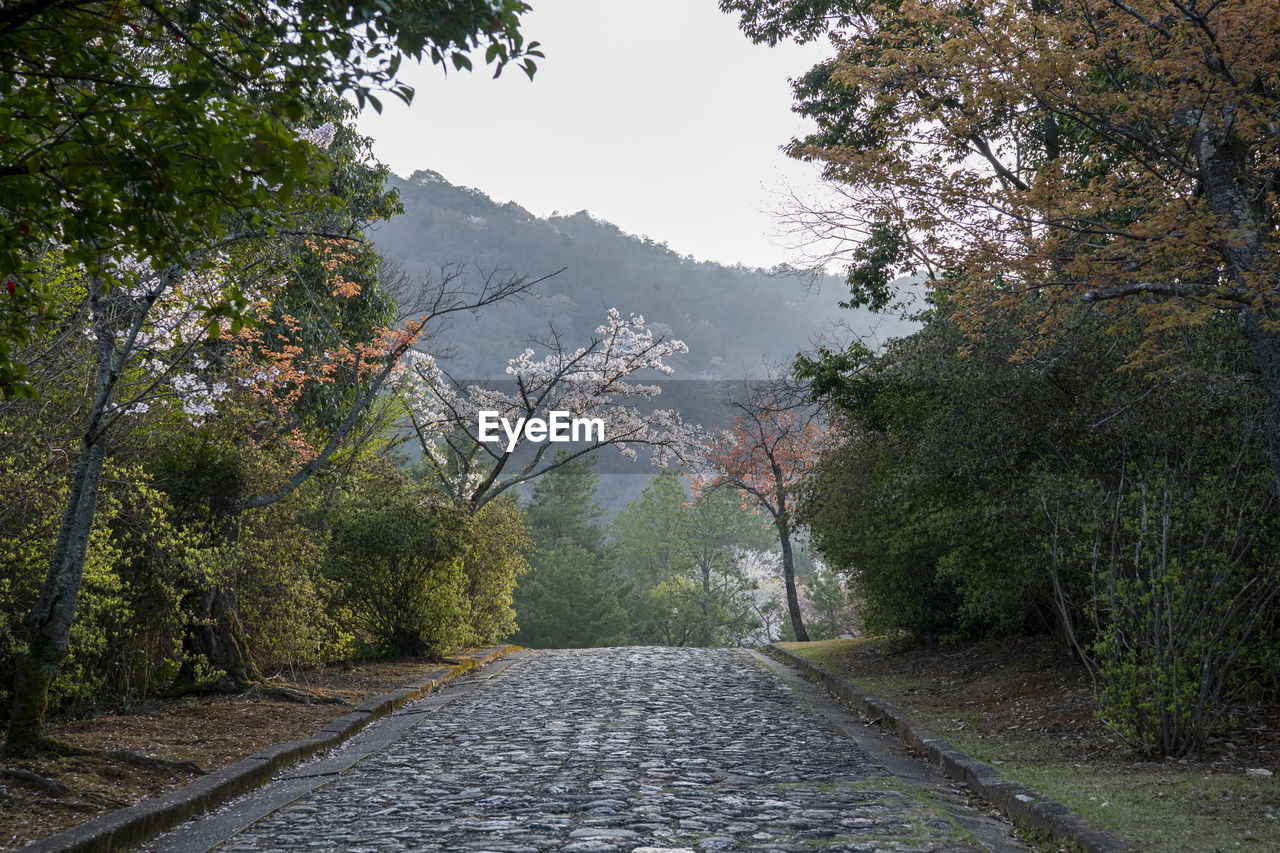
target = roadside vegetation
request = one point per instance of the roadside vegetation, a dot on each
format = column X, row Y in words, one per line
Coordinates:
column 210, row 376
column 1024, row 705
column 1082, row 440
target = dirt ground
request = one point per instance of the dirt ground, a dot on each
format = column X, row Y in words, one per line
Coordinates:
column 1028, row 707
column 43, row 796
column 1032, row 684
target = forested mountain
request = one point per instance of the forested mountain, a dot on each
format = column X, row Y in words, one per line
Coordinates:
column 734, row 319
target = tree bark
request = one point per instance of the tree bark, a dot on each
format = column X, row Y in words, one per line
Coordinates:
column 1263, row 334
column 706, row 604
column 219, row 638
column 48, row 625
column 789, row 578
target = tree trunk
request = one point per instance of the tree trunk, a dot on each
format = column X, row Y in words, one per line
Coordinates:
column 706, row 605
column 789, row 578
column 1263, row 334
column 219, row 637
column 48, row 625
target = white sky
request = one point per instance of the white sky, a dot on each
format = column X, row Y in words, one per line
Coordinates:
column 657, row 115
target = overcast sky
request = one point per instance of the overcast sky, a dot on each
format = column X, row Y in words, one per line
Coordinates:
column 657, row 115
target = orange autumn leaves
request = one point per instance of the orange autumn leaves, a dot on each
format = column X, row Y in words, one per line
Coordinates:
column 764, row 454
column 273, row 363
column 1044, row 155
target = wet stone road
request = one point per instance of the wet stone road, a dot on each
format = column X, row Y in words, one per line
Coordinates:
column 593, row 751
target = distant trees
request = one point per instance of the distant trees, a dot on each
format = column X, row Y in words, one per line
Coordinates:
column 670, row 569
column 569, row 599
column 733, row 319
column 686, row 564
column 708, row 598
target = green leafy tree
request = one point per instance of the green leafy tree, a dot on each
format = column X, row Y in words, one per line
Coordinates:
column 562, row 505
column 711, row 534
column 644, row 533
column 679, row 559
column 569, row 599
column 833, row 613
column 980, row 496
column 120, row 119
column 496, row 559
column 568, row 602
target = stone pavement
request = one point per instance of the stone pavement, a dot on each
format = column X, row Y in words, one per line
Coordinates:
column 593, row 751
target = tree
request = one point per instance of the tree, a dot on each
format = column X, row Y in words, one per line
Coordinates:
column 563, row 505
column 569, row 600
column 594, row 384
column 986, row 496
column 712, row 534
column 1053, row 155
column 643, row 534
column 118, row 119
column 765, row 455
column 496, row 559
column 398, row 554
column 151, row 342
column 833, row 610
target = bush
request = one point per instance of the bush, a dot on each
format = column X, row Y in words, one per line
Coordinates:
column 398, row 553
column 494, row 562
column 831, row 611
column 1183, row 599
column 283, row 599
column 126, row 640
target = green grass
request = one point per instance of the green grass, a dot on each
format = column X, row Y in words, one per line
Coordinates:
column 1172, row 806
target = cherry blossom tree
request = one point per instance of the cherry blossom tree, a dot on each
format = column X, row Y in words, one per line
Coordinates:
column 765, row 454
column 763, row 569
column 601, row 381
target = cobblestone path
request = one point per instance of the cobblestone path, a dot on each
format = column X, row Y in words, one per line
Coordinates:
column 635, row 749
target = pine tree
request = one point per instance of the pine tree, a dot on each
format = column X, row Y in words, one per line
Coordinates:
column 569, row 600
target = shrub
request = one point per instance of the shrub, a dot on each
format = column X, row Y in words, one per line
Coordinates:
column 126, row 640
column 1186, row 591
column 494, row 562
column 397, row 553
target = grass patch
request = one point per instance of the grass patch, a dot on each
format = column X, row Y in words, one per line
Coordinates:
column 1026, row 707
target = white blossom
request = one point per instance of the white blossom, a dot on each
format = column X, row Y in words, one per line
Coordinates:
column 594, row 381
column 321, row 137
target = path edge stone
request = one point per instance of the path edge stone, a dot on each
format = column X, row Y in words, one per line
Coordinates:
column 136, row 824
column 1023, row 805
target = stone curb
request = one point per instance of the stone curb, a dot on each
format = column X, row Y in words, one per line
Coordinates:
column 1022, row 804
column 130, row 827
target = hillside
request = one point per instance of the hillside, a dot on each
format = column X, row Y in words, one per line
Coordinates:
column 734, row 319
